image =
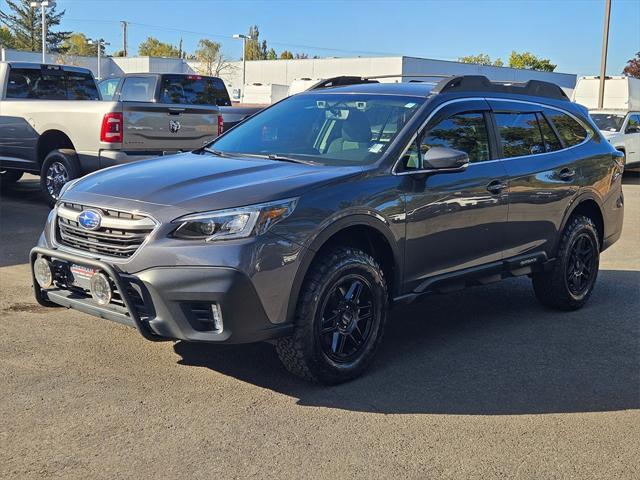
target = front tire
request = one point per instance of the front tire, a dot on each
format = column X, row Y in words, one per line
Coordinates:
column 59, row 167
column 570, row 283
column 340, row 318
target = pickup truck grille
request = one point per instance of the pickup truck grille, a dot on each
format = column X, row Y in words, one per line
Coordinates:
column 120, row 233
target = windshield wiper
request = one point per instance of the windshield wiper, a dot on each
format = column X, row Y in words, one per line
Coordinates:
column 283, row 158
column 218, row 153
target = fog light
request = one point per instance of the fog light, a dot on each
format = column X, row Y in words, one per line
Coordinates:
column 101, row 289
column 217, row 317
column 43, row 272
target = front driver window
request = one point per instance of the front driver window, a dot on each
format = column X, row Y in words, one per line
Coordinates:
column 464, row 131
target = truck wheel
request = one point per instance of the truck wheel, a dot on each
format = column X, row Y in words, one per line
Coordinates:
column 570, row 283
column 9, row 177
column 58, row 168
column 340, row 318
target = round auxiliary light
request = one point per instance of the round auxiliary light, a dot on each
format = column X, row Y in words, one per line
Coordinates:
column 101, row 289
column 43, row 272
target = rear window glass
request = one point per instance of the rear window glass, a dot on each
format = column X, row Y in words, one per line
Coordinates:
column 138, row 89
column 193, row 90
column 570, row 131
column 50, row 84
column 520, row 134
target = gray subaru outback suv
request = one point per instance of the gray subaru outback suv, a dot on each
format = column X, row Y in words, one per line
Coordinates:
column 305, row 223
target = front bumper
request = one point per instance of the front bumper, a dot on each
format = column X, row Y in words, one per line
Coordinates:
column 167, row 302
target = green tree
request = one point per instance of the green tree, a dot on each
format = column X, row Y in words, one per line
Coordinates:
column 252, row 49
column 272, row 55
column 25, row 25
column 481, row 59
column 633, row 67
column 78, row 44
column 6, row 38
column 152, row 47
column 529, row 61
column 212, row 61
column 286, row 55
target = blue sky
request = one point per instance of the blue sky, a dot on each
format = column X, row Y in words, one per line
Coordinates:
column 569, row 32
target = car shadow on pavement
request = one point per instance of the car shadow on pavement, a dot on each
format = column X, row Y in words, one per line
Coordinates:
column 489, row 350
column 23, row 214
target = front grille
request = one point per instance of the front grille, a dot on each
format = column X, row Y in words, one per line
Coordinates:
column 120, row 233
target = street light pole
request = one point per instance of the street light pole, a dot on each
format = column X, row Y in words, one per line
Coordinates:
column 605, row 46
column 100, row 43
column 244, row 62
column 43, row 12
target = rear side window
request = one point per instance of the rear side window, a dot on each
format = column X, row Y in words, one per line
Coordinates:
column 36, row 84
column 81, row 86
column 138, row 89
column 519, row 134
column 570, row 131
column 465, row 131
column 193, row 90
column 552, row 143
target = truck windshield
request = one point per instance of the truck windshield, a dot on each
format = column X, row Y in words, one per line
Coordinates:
column 608, row 122
column 325, row 128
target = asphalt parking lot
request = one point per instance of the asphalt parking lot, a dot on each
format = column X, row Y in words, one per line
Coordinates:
column 483, row 383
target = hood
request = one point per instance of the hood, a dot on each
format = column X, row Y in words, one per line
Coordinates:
column 611, row 136
column 191, row 182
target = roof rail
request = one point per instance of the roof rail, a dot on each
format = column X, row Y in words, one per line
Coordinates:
column 340, row 81
column 480, row 83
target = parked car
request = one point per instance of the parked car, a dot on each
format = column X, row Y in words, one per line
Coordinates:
column 52, row 124
column 619, row 118
column 305, row 223
column 184, row 89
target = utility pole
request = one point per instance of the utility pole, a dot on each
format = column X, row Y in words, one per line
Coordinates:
column 43, row 11
column 605, row 46
column 124, row 37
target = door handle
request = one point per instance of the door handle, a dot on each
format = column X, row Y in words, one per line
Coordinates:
column 496, row 187
column 566, row 174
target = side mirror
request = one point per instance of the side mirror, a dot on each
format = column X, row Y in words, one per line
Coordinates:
column 442, row 158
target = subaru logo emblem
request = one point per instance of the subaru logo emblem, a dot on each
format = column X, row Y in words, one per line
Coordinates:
column 174, row 126
column 90, row 219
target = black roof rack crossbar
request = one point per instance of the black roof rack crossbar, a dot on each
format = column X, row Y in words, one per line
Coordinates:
column 480, row 83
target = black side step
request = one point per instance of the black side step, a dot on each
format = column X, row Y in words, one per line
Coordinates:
column 481, row 275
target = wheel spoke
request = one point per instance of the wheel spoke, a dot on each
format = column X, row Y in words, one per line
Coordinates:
column 353, row 294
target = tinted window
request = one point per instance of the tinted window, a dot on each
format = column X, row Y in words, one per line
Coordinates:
column 331, row 129
column 51, row 83
column 519, row 134
column 108, row 88
column 551, row 141
column 570, row 131
column 193, row 90
column 464, row 131
column 81, row 86
column 36, row 84
column 138, row 89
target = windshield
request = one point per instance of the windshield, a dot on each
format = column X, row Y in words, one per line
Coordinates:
column 325, row 128
column 609, row 122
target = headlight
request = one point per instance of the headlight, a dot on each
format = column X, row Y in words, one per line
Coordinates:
column 235, row 222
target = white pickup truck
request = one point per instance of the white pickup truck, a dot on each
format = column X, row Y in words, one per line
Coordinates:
column 619, row 118
column 54, row 124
